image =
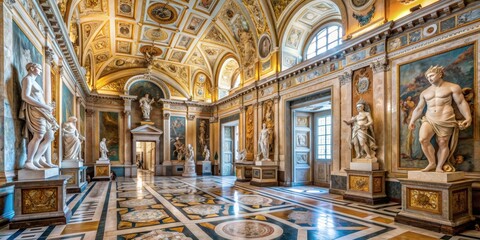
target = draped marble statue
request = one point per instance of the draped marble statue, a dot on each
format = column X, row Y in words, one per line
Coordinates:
column 440, row 119
column 264, row 143
column 362, row 138
column 72, row 140
column 206, row 154
column 40, row 121
column 190, row 154
column 146, row 105
column 241, row 155
column 179, row 149
column 103, row 150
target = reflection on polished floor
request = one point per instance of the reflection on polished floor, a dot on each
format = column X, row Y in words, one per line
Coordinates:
column 214, row 207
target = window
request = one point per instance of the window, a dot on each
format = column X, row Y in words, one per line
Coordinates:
column 324, row 137
column 326, row 39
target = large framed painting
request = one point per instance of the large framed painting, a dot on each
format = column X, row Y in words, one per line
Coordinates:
column 109, row 129
column 177, row 130
column 459, row 67
column 67, row 103
column 23, row 52
column 81, row 120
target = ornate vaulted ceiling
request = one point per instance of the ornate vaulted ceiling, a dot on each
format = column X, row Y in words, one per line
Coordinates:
column 179, row 40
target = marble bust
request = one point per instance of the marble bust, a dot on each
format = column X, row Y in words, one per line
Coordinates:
column 39, row 119
column 72, row 140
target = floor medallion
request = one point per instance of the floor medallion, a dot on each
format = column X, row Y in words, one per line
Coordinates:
column 203, row 209
column 248, row 229
column 189, row 198
column 146, row 215
column 132, row 203
column 254, row 200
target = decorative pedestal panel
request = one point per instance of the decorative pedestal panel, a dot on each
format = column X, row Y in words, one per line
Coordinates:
column 444, row 207
column 40, row 202
column 189, row 169
column 102, row 171
column 204, row 168
column 366, row 186
column 243, row 171
column 78, row 181
column 264, row 176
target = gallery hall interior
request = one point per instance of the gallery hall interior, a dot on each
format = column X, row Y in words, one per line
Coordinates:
column 239, row 119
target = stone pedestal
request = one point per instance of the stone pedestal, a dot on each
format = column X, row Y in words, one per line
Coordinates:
column 40, row 202
column 364, row 166
column 71, row 164
column 42, row 173
column 204, row 168
column 243, row 171
column 444, row 207
column 366, row 186
column 102, row 171
column 189, row 169
column 264, row 176
column 78, row 181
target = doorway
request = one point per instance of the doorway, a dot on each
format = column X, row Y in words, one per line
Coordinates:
column 312, row 140
column 145, row 156
column 229, row 143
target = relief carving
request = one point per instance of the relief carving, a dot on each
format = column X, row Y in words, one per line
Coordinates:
column 249, row 129
column 359, row 183
column 424, row 200
column 39, row 200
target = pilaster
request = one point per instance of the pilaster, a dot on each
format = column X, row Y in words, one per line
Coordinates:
column 379, row 107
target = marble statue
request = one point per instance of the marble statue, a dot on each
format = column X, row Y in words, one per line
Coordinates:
column 190, row 154
column 362, row 138
column 40, row 121
column 440, row 119
column 103, row 150
column 202, row 135
column 146, row 105
column 263, row 143
column 72, row 140
column 179, row 149
column 206, row 154
column 241, row 155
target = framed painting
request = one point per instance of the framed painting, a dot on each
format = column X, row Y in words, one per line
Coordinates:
column 67, row 103
column 459, row 67
column 177, row 129
column 109, row 129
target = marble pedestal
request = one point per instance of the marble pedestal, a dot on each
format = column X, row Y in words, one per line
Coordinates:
column 204, row 168
column 243, row 171
column 264, row 175
column 444, row 207
column 102, row 171
column 366, row 186
column 78, row 181
column 42, row 173
column 40, row 202
column 189, row 170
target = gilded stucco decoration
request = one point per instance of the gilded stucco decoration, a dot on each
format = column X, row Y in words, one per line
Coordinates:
column 258, row 17
column 125, row 8
column 424, row 200
column 216, row 36
column 174, row 92
column 249, row 132
column 39, row 200
column 88, row 7
column 359, row 183
column 177, row 56
column 156, row 34
column 176, row 71
column 121, row 63
column 232, row 16
column 268, row 118
column 116, row 86
column 198, row 60
column 279, row 6
column 212, row 53
column 88, row 29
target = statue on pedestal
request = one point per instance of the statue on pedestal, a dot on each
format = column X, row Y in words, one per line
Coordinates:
column 206, row 154
column 40, row 121
column 72, row 140
column 440, row 119
column 263, row 143
column 103, row 150
column 362, row 138
column 190, row 155
column 241, row 155
column 146, row 105
column 179, row 149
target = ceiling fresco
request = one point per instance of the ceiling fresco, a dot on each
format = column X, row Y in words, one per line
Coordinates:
column 182, row 37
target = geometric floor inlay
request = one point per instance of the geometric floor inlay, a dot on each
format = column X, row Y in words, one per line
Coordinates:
column 146, row 215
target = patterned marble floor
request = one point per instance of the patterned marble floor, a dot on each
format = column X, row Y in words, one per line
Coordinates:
column 214, row 207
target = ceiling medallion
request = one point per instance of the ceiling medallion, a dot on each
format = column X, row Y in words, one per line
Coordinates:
column 151, row 51
column 361, row 5
column 162, row 13
column 156, row 34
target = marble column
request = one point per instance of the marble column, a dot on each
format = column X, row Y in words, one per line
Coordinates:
column 257, row 126
column 91, row 156
column 47, row 89
column 242, row 128
column 166, row 139
column 379, row 107
column 346, row 113
column 129, row 163
column 276, row 131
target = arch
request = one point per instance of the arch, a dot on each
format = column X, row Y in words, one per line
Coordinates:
column 305, row 20
column 315, row 33
column 137, row 79
column 225, row 77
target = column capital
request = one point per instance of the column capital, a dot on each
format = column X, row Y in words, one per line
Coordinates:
column 345, row 78
column 49, row 54
column 166, row 115
column 213, row 119
column 380, row 66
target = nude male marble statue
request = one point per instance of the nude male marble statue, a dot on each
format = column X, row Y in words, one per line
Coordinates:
column 39, row 120
column 440, row 119
column 72, row 140
column 263, row 143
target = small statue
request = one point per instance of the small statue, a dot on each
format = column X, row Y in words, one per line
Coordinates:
column 103, row 150
column 72, row 140
column 146, row 105
column 206, row 154
column 362, row 138
column 40, row 121
column 440, row 119
column 241, row 155
column 190, row 155
column 179, row 149
column 263, row 143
